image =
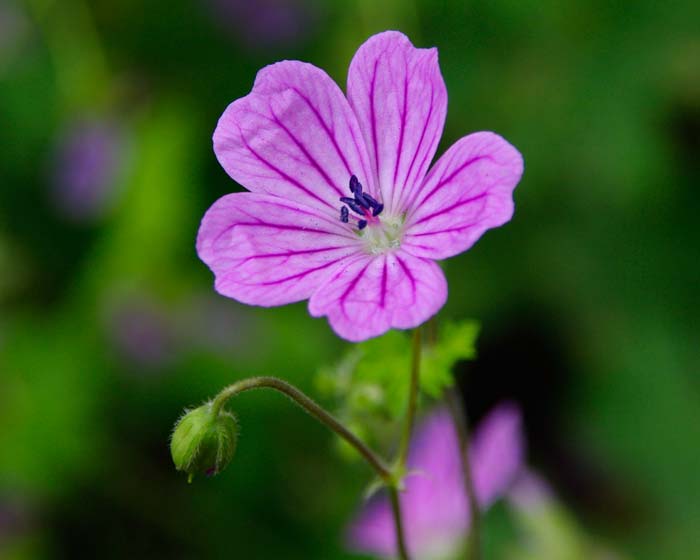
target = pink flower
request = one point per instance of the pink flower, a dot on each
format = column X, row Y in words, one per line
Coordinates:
column 90, row 155
column 343, row 210
column 435, row 510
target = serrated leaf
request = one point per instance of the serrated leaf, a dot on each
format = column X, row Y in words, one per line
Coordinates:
column 371, row 383
column 456, row 342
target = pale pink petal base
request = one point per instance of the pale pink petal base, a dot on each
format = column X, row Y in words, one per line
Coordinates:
column 469, row 190
column 267, row 251
column 372, row 294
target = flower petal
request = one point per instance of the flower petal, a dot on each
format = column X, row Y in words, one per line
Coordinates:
column 372, row 294
column 434, row 505
column 497, row 453
column 267, row 251
column 469, row 190
column 400, row 99
column 294, row 136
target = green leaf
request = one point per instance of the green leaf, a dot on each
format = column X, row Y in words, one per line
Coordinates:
column 456, row 342
column 371, row 383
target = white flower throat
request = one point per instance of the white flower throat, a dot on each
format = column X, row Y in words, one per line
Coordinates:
column 383, row 236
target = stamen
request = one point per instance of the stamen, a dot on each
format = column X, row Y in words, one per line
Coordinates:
column 360, row 199
column 355, row 186
column 353, row 205
column 361, row 203
column 368, row 201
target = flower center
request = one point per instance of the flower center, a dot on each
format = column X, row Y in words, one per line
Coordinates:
column 361, row 204
column 380, row 235
column 384, row 236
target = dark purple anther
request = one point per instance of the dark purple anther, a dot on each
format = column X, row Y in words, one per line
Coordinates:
column 360, row 204
column 355, row 186
column 354, row 207
column 377, row 207
column 373, row 203
column 361, row 199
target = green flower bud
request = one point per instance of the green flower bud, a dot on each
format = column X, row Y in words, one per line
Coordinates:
column 204, row 443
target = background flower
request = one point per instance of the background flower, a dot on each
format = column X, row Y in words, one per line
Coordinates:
column 88, row 160
column 434, row 505
column 265, row 23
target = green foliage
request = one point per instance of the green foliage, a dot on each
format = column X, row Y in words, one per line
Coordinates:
column 456, row 342
column 371, row 383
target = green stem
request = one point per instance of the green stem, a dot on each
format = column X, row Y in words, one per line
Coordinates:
column 412, row 398
column 313, row 409
column 405, row 441
column 460, row 420
column 396, row 510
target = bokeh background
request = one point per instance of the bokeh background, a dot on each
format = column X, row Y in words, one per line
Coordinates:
column 109, row 325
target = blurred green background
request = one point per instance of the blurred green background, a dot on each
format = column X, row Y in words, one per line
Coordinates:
column 109, row 324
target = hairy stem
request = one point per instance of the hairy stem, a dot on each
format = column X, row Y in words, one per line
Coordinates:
column 412, row 398
column 314, row 409
column 405, row 441
column 396, row 510
column 460, row 421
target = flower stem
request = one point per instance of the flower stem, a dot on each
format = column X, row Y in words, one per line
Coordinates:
column 460, row 421
column 402, row 457
column 396, row 510
column 412, row 398
column 314, row 409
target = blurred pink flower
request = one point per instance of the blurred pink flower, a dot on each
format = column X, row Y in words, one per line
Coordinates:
column 141, row 332
column 87, row 161
column 530, row 491
column 342, row 209
column 266, row 23
column 434, row 505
